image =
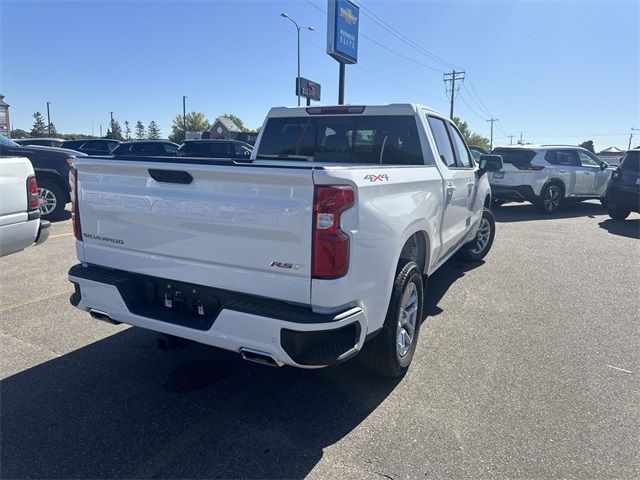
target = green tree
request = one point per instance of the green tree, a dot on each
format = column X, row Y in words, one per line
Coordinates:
column 140, row 131
column 153, row 131
column 39, row 128
column 196, row 122
column 588, row 145
column 236, row 120
column 51, row 131
column 127, row 130
column 115, row 131
column 19, row 133
column 469, row 137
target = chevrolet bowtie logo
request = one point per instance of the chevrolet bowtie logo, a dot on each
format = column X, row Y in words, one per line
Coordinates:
column 348, row 16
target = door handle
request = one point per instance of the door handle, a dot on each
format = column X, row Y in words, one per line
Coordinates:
column 562, row 171
column 451, row 187
column 588, row 173
column 471, row 184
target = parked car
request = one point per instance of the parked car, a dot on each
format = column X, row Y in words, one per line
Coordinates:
column 20, row 223
column 548, row 175
column 477, row 152
column 51, row 166
column 623, row 193
column 147, row 148
column 215, row 149
column 93, row 146
column 318, row 244
column 45, row 142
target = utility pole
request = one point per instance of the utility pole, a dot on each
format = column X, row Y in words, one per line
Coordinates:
column 184, row 116
column 298, row 28
column 511, row 139
column 100, row 130
column 48, row 119
column 631, row 136
column 491, row 120
column 452, row 77
column 520, row 142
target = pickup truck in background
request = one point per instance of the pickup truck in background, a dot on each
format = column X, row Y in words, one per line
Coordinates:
column 51, row 166
column 316, row 247
column 20, row 224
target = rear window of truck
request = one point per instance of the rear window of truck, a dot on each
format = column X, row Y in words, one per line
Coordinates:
column 382, row 140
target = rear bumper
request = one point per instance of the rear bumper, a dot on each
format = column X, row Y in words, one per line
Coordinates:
column 513, row 193
column 623, row 198
column 293, row 335
column 43, row 232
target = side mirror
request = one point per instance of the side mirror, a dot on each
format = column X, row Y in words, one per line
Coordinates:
column 490, row 163
column 604, row 166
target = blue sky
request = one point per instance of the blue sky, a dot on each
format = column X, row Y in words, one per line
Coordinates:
column 556, row 71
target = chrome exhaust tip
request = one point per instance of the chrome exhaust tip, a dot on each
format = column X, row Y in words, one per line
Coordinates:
column 103, row 317
column 260, row 357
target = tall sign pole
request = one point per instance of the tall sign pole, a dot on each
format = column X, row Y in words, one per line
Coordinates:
column 343, row 20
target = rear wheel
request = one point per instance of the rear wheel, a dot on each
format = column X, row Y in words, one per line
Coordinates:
column 389, row 353
column 618, row 213
column 478, row 248
column 52, row 200
column 550, row 199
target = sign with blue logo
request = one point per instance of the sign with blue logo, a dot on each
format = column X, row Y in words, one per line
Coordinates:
column 342, row 30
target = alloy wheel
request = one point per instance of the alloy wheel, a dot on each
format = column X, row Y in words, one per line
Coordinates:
column 48, row 201
column 407, row 320
column 482, row 237
column 552, row 199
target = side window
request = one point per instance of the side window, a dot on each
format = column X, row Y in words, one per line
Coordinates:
column 443, row 142
column 587, row 160
column 221, row 149
column 566, row 158
column 464, row 158
column 170, row 149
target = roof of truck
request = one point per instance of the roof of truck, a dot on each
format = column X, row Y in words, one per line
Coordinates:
column 383, row 109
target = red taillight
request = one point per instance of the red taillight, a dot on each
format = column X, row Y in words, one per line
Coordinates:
column 32, row 193
column 75, row 211
column 330, row 255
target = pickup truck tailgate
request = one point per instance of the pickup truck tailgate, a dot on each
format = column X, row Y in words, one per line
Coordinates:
column 242, row 228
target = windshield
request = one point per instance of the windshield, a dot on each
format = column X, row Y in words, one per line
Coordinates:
column 4, row 141
column 341, row 138
column 631, row 162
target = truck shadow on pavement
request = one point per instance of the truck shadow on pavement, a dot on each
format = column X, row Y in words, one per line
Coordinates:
column 119, row 408
column 624, row 228
column 524, row 212
column 440, row 282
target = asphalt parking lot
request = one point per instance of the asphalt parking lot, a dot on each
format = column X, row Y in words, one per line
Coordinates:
column 527, row 368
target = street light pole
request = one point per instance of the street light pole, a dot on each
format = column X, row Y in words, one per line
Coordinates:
column 184, row 116
column 48, row 119
column 298, row 28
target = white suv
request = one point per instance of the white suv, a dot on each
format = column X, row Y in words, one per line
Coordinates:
column 547, row 175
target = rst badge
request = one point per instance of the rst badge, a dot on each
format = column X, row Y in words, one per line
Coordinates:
column 377, row 178
column 294, row 266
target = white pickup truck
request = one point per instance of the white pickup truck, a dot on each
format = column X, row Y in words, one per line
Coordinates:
column 20, row 223
column 315, row 248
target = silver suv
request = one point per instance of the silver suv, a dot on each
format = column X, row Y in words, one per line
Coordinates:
column 547, row 175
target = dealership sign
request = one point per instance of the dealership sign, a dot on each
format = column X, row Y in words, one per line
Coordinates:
column 308, row 89
column 342, row 30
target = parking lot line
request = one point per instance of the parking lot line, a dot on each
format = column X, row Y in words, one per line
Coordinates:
column 39, row 299
column 61, row 235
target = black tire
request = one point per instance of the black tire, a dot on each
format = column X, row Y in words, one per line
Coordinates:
column 382, row 355
column 497, row 203
column 477, row 249
column 52, row 199
column 618, row 213
column 551, row 198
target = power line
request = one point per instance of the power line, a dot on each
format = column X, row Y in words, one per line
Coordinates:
column 451, row 78
column 395, row 52
column 369, row 13
column 482, row 104
column 482, row 109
